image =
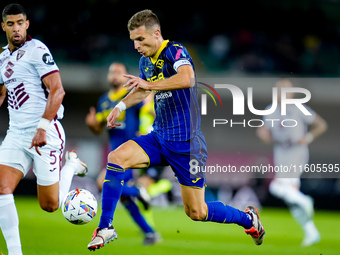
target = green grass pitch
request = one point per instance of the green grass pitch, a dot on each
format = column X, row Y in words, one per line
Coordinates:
column 50, row 234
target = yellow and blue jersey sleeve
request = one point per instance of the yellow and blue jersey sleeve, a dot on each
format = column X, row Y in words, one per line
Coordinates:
column 103, row 108
column 178, row 56
column 128, row 119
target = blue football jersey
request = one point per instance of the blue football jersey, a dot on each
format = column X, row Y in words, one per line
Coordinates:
column 129, row 118
column 177, row 111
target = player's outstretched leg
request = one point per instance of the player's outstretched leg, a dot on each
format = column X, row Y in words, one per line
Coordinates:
column 128, row 155
column 197, row 209
column 249, row 219
column 73, row 166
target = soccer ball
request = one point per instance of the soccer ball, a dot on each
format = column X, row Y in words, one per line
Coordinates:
column 79, row 206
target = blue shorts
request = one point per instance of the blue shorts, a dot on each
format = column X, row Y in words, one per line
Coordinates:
column 183, row 157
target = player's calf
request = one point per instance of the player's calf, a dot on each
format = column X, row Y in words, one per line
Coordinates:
column 194, row 204
column 48, row 197
column 49, row 206
column 196, row 213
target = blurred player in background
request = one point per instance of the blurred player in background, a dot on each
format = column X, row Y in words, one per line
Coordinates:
column 96, row 121
column 291, row 148
column 31, row 79
column 176, row 140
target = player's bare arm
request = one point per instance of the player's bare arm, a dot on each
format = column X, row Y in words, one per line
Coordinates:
column 182, row 80
column 318, row 127
column 91, row 121
column 54, row 100
column 134, row 97
column 2, row 93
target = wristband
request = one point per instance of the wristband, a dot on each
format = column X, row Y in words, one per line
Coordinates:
column 309, row 138
column 43, row 124
column 121, row 106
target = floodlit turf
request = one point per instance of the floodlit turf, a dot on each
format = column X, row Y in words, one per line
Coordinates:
column 45, row 233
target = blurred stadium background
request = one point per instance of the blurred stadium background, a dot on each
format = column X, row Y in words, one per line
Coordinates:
column 246, row 43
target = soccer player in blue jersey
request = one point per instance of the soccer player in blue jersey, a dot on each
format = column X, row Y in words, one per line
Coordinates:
column 167, row 69
column 96, row 120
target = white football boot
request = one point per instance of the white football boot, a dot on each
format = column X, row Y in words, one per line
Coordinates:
column 80, row 168
column 102, row 236
column 312, row 235
column 256, row 231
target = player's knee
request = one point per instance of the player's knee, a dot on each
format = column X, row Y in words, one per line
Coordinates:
column 5, row 190
column 115, row 158
column 49, row 206
column 112, row 157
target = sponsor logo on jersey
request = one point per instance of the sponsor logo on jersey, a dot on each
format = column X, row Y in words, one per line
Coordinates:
column 10, row 81
column 47, row 58
column 163, row 95
column 9, row 70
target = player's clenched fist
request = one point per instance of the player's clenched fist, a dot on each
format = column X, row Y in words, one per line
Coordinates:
column 112, row 118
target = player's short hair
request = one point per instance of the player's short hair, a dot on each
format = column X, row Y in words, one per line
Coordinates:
column 120, row 63
column 13, row 9
column 146, row 18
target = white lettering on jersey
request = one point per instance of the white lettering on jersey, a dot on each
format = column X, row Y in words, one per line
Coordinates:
column 163, row 95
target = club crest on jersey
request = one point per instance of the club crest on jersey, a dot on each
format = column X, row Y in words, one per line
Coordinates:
column 47, row 58
column 20, row 54
column 160, row 63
